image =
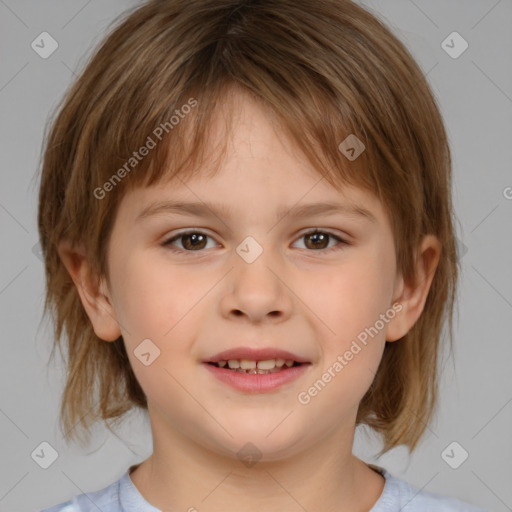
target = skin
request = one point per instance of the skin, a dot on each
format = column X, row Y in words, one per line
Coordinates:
column 294, row 296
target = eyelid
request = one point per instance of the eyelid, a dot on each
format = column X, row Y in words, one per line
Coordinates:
column 333, row 232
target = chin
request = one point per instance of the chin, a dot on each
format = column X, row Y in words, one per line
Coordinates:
column 263, row 444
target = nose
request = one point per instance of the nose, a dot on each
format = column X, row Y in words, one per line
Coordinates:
column 257, row 292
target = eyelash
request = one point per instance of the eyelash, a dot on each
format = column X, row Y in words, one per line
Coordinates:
column 342, row 243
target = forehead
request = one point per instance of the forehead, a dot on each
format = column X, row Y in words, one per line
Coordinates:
column 251, row 158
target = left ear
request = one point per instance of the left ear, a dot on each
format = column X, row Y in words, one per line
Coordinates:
column 413, row 295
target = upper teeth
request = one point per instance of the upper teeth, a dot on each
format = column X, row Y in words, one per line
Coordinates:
column 246, row 364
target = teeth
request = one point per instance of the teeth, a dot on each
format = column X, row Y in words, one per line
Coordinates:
column 254, row 371
column 268, row 365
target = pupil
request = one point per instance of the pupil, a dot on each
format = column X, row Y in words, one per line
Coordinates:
column 317, row 237
column 196, row 240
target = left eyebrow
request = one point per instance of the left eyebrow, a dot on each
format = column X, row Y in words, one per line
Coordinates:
column 202, row 209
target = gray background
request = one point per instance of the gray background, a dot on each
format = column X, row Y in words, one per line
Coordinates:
column 475, row 95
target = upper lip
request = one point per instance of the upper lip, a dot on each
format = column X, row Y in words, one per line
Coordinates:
column 255, row 354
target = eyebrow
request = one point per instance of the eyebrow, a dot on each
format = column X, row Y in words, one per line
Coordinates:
column 202, row 209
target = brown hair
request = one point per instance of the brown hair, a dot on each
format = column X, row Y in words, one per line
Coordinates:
column 325, row 69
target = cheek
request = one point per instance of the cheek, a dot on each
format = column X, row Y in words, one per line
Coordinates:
column 153, row 297
column 349, row 298
column 349, row 301
column 159, row 303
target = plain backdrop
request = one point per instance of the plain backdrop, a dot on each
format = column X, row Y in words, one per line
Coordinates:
column 474, row 91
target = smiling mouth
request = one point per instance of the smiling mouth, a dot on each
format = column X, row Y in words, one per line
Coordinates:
column 256, row 367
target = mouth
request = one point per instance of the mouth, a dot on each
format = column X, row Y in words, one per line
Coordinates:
column 252, row 367
column 256, row 370
column 256, row 360
column 257, row 380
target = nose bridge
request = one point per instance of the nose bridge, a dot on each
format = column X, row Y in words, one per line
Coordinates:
column 257, row 289
column 253, row 262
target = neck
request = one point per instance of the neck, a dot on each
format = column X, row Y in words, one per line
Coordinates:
column 184, row 475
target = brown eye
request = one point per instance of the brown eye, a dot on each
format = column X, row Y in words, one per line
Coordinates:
column 191, row 241
column 194, row 241
column 319, row 241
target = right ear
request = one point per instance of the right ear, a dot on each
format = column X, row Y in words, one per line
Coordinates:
column 93, row 291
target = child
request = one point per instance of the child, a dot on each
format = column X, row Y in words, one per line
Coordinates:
column 296, row 148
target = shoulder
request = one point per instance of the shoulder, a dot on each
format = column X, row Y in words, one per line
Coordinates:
column 399, row 493
column 416, row 500
column 106, row 500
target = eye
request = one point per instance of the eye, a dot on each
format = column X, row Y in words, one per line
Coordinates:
column 317, row 240
column 195, row 241
column 192, row 241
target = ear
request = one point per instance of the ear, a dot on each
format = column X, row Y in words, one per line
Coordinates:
column 92, row 290
column 413, row 295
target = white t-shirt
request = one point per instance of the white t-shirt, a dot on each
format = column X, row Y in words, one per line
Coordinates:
column 397, row 496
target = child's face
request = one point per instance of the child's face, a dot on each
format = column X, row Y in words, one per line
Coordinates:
column 313, row 302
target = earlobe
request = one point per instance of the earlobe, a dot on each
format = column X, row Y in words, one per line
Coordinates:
column 412, row 295
column 92, row 292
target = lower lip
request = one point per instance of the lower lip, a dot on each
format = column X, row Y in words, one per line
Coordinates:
column 257, row 382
